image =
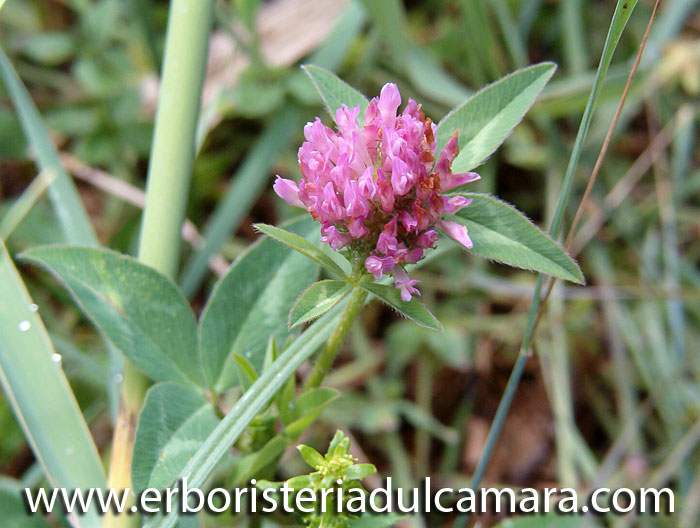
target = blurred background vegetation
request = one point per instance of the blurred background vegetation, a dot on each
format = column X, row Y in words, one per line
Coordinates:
column 612, row 396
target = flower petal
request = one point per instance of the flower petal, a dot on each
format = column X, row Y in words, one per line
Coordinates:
column 389, row 102
column 456, row 231
column 288, row 191
column 450, row 181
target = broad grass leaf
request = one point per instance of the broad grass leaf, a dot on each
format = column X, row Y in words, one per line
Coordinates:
column 139, row 310
column 251, row 302
column 501, row 232
column 486, row 119
column 174, row 422
column 37, row 391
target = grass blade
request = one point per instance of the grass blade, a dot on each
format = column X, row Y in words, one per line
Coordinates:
column 31, row 378
column 62, row 192
column 623, row 11
column 23, row 205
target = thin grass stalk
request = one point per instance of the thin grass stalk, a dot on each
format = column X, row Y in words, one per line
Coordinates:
column 622, row 13
column 24, row 204
column 70, row 213
column 189, row 25
column 604, row 148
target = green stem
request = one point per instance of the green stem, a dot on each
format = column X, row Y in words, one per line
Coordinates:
column 330, row 350
column 169, row 172
column 174, row 137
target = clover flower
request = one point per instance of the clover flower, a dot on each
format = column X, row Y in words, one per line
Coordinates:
column 377, row 190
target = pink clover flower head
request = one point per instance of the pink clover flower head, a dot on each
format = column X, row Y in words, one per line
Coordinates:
column 376, row 189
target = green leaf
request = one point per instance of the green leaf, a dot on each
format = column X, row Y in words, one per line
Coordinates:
column 335, row 91
column 311, row 456
column 71, row 214
column 174, row 422
column 316, row 300
column 139, row 310
column 38, row 392
column 360, row 471
column 487, row 118
column 500, row 232
column 267, row 484
column 284, row 400
column 251, row 465
column 251, row 302
column 13, row 511
column 339, row 444
column 246, row 371
column 218, row 443
column 301, row 245
column 307, row 408
column 299, row 482
column 414, row 310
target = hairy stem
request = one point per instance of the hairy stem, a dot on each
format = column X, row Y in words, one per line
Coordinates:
column 173, row 151
column 330, row 350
